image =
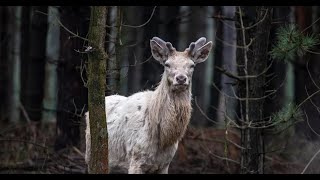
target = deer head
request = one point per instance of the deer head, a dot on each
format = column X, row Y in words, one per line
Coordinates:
column 179, row 66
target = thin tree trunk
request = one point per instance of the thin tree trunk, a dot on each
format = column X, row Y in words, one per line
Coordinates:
column 3, row 63
column 14, row 29
column 253, row 61
column 32, row 93
column 25, row 38
column 209, row 75
column 96, row 91
column 199, row 83
column 113, row 75
column 52, row 54
column 228, row 105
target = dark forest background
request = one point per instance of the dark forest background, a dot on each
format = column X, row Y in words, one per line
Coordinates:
column 43, row 89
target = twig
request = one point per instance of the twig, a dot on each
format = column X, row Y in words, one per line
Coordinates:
column 59, row 22
column 224, row 71
column 232, row 45
column 307, row 118
column 138, row 26
column 195, row 100
column 224, row 158
column 222, row 17
column 24, row 112
column 241, row 78
column 314, row 156
column 309, row 97
column 311, row 25
column 311, row 75
column 29, row 142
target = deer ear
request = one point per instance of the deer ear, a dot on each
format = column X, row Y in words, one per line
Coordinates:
column 201, row 54
column 159, row 49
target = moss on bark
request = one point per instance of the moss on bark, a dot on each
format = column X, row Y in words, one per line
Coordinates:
column 96, row 91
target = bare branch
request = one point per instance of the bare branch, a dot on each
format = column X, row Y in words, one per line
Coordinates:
column 224, row 71
column 195, row 100
column 138, row 26
column 311, row 25
column 314, row 156
column 24, row 112
column 307, row 119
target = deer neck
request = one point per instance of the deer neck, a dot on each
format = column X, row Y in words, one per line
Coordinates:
column 170, row 113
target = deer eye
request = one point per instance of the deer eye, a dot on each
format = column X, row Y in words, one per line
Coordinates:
column 192, row 66
column 167, row 65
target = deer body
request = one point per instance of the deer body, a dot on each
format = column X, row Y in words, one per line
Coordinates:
column 144, row 129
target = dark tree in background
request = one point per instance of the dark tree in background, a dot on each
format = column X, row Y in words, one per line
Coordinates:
column 72, row 94
column 252, row 61
column 310, row 62
column 14, row 48
column 34, row 58
column 52, row 58
column 3, row 63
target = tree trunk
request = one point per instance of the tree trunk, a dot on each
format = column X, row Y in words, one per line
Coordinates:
column 229, row 37
column 52, row 54
column 25, row 38
column 14, row 30
column 214, row 109
column 113, row 73
column 96, row 91
column 253, row 61
column 33, row 67
column 4, row 80
column 199, row 82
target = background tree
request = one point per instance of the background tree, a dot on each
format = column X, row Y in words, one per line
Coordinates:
column 14, row 28
column 52, row 58
column 252, row 61
column 72, row 90
column 32, row 69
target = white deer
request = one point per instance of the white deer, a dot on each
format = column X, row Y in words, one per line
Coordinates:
column 146, row 127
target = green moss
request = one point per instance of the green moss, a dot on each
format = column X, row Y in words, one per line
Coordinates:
column 96, row 91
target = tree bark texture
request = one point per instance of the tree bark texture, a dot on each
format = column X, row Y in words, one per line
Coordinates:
column 96, row 91
column 252, row 154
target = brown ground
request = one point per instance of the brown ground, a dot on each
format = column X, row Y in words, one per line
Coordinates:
column 29, row 149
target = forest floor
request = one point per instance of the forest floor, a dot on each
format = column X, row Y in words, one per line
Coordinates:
column 29, row 149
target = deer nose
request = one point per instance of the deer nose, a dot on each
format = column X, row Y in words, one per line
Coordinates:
column 181, row 79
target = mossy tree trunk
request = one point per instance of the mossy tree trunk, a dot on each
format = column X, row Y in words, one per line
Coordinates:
column 96, row 91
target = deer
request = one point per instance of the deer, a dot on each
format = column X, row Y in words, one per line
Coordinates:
column 145, row 128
